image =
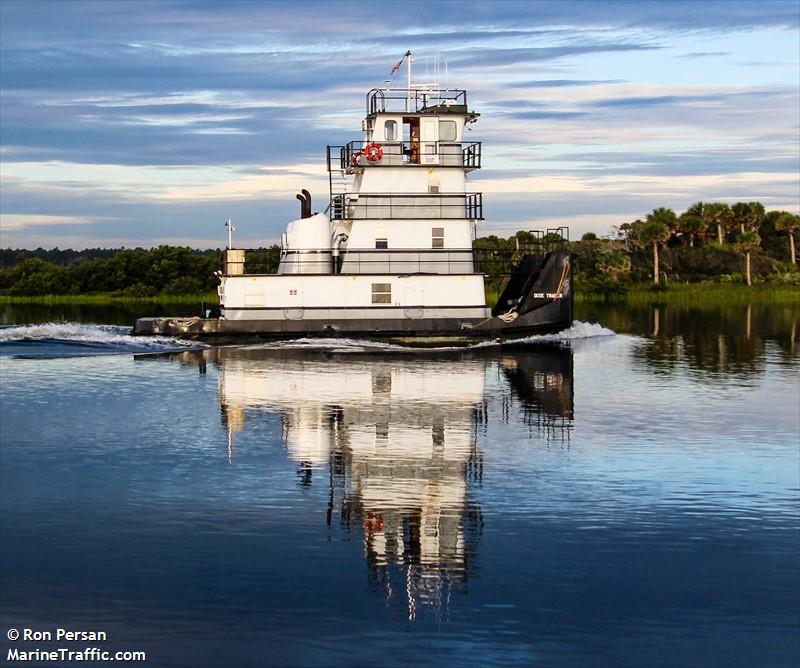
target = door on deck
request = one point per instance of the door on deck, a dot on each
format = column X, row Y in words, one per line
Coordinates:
column 411, row 139
column 429, row 137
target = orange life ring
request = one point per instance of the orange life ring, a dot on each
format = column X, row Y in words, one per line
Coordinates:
column 373, row 522
column 374, row 152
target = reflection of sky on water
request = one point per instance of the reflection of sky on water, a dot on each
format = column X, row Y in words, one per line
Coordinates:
column 660, row 517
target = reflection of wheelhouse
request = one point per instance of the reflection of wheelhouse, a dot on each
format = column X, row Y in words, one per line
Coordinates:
column 397, row 440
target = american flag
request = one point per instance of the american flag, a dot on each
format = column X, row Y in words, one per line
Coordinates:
column 400, row 62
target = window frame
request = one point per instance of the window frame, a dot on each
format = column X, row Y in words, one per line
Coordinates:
column 381, row 293
column 448, row 123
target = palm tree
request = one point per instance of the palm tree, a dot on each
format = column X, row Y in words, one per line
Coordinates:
column 747, row 214
column 692, row 226
column 746, row 243
column 789, row 223
column 657, row 230
column 719, row 214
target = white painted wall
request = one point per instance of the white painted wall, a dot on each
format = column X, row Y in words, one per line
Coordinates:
column 299, row 291
column 408, row 234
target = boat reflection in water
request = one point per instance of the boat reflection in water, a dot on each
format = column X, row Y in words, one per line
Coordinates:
column 397, row 440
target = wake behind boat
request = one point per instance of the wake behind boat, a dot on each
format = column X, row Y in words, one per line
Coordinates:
column 392, row 256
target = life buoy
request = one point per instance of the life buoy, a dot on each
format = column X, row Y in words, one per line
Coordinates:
column 356, row 157
column 373, row 522
column 374, row 152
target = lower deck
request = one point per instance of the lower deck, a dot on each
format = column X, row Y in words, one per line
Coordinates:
column 352, row 296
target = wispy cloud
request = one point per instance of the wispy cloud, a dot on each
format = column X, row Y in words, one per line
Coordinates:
column 561, row 83
column 18, row 221
column 705, row 54
column 121, row 121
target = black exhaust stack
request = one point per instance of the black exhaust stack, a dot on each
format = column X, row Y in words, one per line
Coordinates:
column 305, row 203
column 302, row 205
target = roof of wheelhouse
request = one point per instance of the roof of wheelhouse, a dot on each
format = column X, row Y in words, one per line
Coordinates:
column 418, row 101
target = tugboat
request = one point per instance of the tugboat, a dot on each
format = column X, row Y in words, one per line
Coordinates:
column 391, row 256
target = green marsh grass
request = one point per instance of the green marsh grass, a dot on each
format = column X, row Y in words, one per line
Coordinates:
column 699, row 294
column 103, row 298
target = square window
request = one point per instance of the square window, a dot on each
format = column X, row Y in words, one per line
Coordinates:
column 381, row 293
column 447, row 130
column 382, row 243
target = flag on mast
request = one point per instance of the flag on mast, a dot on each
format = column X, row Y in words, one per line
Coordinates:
column 400, row 62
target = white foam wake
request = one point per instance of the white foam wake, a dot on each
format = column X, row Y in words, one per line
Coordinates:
column 78, row 333
column 579, row 330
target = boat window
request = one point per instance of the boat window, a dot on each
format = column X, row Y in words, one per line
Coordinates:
column 437, row 237
column 447, row 130
column 381, row 243
column 381, row 293
column 390, row 131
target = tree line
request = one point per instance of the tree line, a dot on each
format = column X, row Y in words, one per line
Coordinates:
column 742, row 227
column 708, row 241
column 138, row 272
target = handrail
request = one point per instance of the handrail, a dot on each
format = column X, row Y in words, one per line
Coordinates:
column 414, row 100
column 406, row 206
column 490, row 261
column 462, row 154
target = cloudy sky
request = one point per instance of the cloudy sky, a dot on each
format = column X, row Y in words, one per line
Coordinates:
column 146, row 122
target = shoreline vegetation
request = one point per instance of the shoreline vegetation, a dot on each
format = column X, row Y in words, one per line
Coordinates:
column 711, row 253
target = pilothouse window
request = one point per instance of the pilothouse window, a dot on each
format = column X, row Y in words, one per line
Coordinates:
column 381, row 293
column 447, row 130
column 390, row 131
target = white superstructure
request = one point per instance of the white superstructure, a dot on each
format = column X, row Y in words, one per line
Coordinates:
column 395, row 240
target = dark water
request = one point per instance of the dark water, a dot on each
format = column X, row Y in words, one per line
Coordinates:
column 598, row 500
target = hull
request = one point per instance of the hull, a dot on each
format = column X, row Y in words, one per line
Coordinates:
column 420, row 331
column 538, row 299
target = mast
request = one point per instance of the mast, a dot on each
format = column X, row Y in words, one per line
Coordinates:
column 410, row 59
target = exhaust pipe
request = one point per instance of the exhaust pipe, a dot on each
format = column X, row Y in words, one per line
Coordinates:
column 308, row 202
column 303, row 204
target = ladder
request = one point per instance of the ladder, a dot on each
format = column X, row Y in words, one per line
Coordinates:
column 340, row 186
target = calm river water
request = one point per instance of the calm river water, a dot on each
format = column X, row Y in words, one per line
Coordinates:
column 626, row 494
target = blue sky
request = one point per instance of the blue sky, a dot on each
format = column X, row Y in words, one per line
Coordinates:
column 146, row 122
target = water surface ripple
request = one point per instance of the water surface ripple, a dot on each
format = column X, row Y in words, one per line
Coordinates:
column 592, row 500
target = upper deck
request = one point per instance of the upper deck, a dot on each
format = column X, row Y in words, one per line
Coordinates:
column 419, row 100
